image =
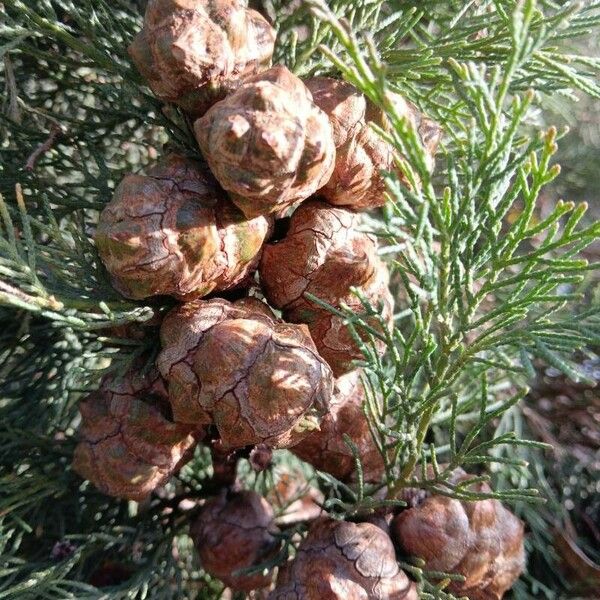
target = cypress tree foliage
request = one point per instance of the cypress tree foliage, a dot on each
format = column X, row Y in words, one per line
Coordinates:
column 485, row 288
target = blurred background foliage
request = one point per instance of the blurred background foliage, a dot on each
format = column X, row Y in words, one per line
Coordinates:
column 566, row 531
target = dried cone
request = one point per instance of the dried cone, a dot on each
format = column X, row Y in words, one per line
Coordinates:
column 345, row 561
column 129, row 446
column 194, row 52
column 326, row 449
column 325, row 255
column 259, row 380
column 361, row 154
column 235, row 531
column 172, row 232
column 482, row 540
column 268, row 144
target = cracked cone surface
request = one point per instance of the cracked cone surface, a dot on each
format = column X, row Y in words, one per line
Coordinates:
column 235, row 531
column 128, row 446
column 172, row 232
column 482, row 540
column 194, row 52
column 268, row 144
column 259, row 380
column 344, row 561
column 325, row 255
column 361, row 154
column 326, row 449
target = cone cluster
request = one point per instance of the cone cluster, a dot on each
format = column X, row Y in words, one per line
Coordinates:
column 287, row 166
column 272, row 198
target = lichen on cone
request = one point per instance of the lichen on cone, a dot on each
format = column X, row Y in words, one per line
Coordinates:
column 481, row 540
column 172, row 232
column 235, row 531
column 326, row 448
column 362, row 155
column 257, row 379
column 325, row 254
column 340, row 560
column 194, row 52
column 267, row 143
column 128, row 444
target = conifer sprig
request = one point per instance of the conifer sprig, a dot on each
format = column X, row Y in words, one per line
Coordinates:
column 482, row 297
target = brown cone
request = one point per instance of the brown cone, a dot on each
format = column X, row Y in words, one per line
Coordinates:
column 361, row 154
column 259, row 380
column 344, row 561
column 325, row 254
column 235, row 531
column 482, row 540
column 268, row 144
column 194, row 52
column 326, row 449
column 129, row 446
column 172, row 232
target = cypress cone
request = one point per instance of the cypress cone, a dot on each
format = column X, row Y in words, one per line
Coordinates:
column 344, row 561
column 259, row 380
column 325, row 255
column 128, row 444
column 361, row 154
column 235, row 531
column 194, row 52
column 267, row 143
column 481, row 540
column 327, row 450
column 172, row 232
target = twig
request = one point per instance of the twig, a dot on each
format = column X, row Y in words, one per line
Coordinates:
column 55, row 133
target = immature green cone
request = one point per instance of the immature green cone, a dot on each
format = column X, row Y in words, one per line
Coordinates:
column 194, row 52
column 268, row 144
column 259, row 380
column 325, row 254
column 128, row 444
column 235, row 531
column 172, row 232
column 326, row 449
column 361, row 154
column 344, row 561
column 482, row 540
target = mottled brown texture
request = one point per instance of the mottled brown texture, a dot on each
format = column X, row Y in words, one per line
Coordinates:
column 331, row 334
column 128, row 444
column 325, row 254
column 294, row 499
column 268, row 144
column 224, row 463
column 172, row 232
column 326, row 450
column 235, row 531
column 194, row 52
column 482, row 540
column 361, row 154
column 344, row 561
column 429, row 132
column 259, row 380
